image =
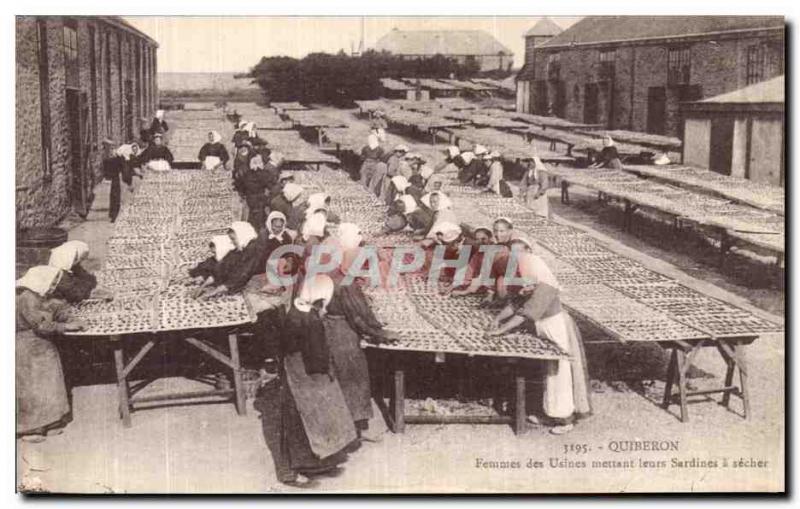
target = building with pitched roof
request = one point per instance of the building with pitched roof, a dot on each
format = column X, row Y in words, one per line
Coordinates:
column 633, row 72
column 739, row 133
column 465, row 46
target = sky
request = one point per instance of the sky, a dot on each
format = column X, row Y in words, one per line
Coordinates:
column 235, row 44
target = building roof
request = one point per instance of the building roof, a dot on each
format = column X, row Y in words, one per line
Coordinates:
column 392, row 84
column 123, row 24
column 545, row 27
column 443, row 42
column 770, row 91
column 617, row 29
column 764, row 97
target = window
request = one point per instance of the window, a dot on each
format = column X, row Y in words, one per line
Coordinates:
column 607, row 59
column 44, row 96
column 764, row 61
column 70, row 42
column 679, row 66
column 553, row 66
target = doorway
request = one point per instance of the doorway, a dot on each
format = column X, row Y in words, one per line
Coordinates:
column 79, row 144
column 656, row 110
column 721, row 142
column 590, row 98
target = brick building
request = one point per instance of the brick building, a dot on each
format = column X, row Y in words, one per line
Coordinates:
column 466, row 46
column 78, row 80
column 632, row 72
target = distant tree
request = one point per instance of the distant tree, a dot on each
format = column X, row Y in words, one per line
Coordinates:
column 339, row 79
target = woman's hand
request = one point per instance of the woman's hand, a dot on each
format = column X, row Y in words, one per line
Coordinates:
column 196, row 293
column 74, row 325
column 492, row 332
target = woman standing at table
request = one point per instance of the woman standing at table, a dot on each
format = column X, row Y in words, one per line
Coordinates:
column 42, row 400
column 159, row 125
column 349, row 318
column 213, row 153
column 373, row 155
column 537, row 303
column 155, row 152
column 305, row 419
column 534, row 189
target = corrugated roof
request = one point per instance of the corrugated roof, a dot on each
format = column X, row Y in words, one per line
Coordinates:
column 770, row 91
column 601, row 29
column 545, row 27
column 443, row 42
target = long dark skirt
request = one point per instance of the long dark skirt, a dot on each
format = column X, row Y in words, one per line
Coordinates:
column 42, row 400
column 285, row 436
column 305, row 421
column 350, row 365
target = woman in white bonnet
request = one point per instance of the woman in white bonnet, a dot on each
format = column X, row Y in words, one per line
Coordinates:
column 608, row 157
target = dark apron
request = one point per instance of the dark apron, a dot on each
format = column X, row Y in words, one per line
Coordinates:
column 350, row 365
column 322, row 407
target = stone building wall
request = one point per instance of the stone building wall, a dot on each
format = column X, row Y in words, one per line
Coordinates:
column 44, row 197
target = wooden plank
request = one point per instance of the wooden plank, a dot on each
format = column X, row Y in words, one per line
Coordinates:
column 122, row 383
column 238, row 384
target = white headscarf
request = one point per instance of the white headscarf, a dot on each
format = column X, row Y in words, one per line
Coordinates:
column 450, row 231
column 409, row 202
column 453, row 151
column 479, row 150
column 504, row 219
column 433, row 179
column 222, row 246
column 160, row 114
column 82, row 248
column 275, row 214
column 40, row 279
column 316, row 201
column 250, row 127
column 661, row 160
column 372, row 141
column 426, row 171
column 291, row 191
column 245, row 233
column 349, row 235
column 68, row 254
column 444, row 201
column 314, row 225
column 319, row 288
column 608, row 141
column 400, row 183
column 534, row 269
column 215, row 137
column 467, row 157
column 126, row 151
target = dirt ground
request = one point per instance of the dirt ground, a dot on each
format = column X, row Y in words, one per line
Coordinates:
column 210, row 449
